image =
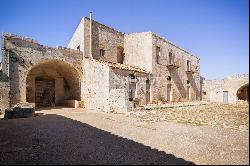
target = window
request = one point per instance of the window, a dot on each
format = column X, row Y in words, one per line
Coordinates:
column 171, row 58
column 131, row 76
column 132, row 89
column 158, row 54
column 78, row 48
column 120, row 54
column 188, row 65
column 169, row 78
column 188, row 81
column 102, row 52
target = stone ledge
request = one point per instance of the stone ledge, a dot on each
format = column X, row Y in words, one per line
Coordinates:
column 24, row 110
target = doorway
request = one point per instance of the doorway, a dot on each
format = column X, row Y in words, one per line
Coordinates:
column 169, row 92
column 225, row 96
column 188, row 93
column 45, row 92
column 147, row 91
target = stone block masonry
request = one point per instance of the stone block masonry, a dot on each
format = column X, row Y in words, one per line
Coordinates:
column 123, row 70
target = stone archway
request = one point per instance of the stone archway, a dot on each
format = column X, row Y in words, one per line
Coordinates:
column 243, row 92
column 52, row 83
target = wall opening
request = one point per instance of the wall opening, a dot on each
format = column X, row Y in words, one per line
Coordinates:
column 158, row 54
column 78, row 48
column 147, row 91
column 120, row 54
column 52, row 83
column 225, row 96
column 45, row 92
column 243, row 93
column 169, row 92
column 102, row 53
column 188, row 93
column 188, row 65
column 132, row 87
column 170, row 58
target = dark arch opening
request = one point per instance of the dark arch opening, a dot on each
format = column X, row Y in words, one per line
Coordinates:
column 243, row 93
column 52, row 83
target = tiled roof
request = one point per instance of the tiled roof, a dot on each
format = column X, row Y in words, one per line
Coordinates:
column 122, row 66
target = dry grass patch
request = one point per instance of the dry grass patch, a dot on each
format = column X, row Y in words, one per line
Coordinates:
column 234, row 116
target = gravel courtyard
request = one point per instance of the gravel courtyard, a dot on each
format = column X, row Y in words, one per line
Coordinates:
column 74, row 136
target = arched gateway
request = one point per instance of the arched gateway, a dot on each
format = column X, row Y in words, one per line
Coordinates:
column 243, row 92
column 51, row 83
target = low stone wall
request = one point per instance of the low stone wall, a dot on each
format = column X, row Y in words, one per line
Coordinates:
column 213, row 89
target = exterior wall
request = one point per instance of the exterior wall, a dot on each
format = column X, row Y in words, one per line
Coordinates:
column 24, row 54
column 78, row 37
column 103, row 37
column 119, row 89
column 101, row 86
column 138, row 50
column 4, row 79
column 213, row 89
column 178, row 76
column 4, row 92
column 96, row 85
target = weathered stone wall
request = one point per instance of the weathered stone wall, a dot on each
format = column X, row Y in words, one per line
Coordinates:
column 118, row 100
column 103, row 37
column 178, row 76
column 213, row 89
column 96, row 85
column 4, row 79
column 138, row 50
column 24, row 54
column 119, row 82
column 4, row 92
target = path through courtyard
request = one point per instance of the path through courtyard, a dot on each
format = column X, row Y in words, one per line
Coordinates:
column 74, row 136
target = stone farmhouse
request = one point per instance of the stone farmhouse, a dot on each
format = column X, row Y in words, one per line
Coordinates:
column 101, row 69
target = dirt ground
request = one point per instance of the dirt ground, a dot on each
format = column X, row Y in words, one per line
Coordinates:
column 233, row 116
column 74, row 136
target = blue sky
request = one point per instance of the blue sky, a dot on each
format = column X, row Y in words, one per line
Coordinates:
column 217, row 31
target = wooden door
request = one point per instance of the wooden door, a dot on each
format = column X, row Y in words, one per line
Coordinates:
column 45, row 92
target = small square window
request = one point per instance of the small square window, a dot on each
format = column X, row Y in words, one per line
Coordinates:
column 78, row 48
column 131, row 76
column 102, row 52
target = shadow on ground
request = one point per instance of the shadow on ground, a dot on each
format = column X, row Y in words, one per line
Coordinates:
column 54, row 139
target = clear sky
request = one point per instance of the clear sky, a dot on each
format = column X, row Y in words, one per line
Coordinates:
column 217, row 31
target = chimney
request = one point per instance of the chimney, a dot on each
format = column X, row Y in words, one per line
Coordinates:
column 90, row 34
